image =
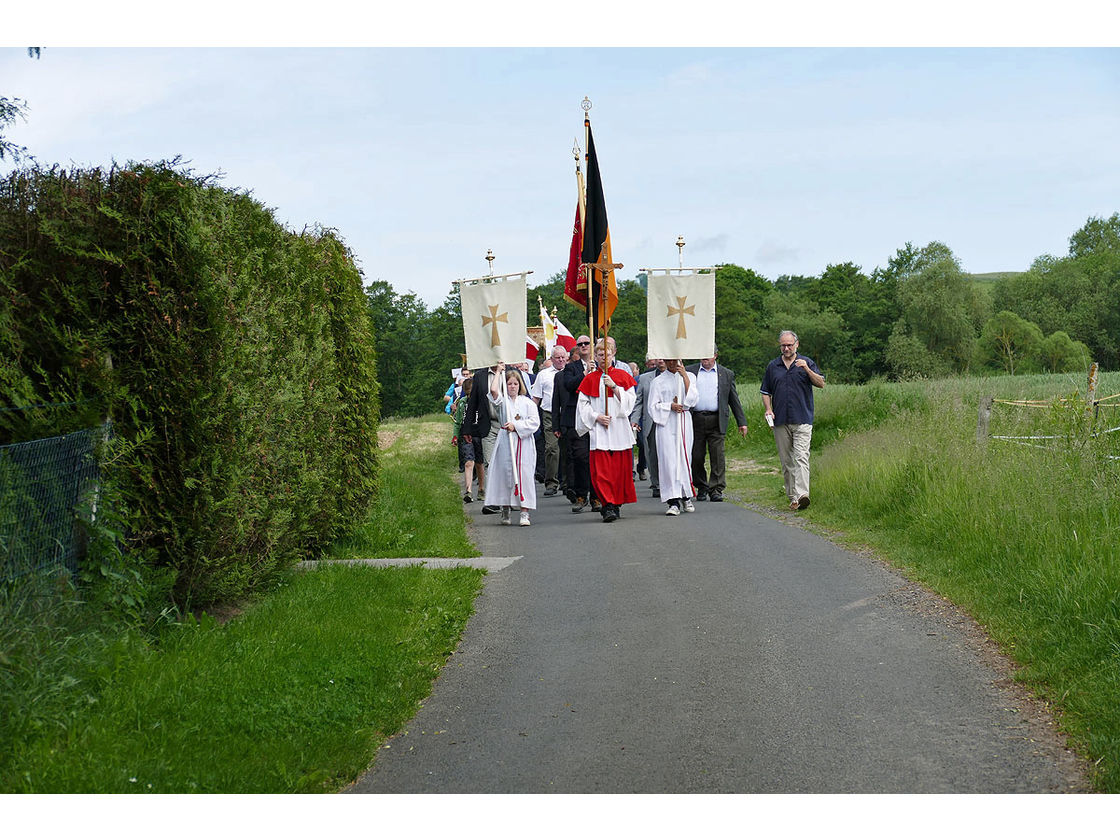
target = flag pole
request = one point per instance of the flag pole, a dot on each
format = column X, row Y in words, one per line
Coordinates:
column 590, row 275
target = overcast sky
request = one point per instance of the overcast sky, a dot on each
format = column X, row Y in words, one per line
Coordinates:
column 782, row 160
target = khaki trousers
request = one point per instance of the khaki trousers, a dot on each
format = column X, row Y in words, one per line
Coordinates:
column 551, row 452
column 793, row 452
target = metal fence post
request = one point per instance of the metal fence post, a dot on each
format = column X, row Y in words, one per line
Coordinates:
column 982, row 419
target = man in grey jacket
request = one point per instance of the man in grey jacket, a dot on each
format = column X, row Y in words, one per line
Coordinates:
column 640, row 419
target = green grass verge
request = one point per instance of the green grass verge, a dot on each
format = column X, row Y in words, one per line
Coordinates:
column 419, row 512
column 1026, row 540
column 293, row 695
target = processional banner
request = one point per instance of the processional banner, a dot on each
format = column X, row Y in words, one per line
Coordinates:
column 681, row 312
column 494, row 320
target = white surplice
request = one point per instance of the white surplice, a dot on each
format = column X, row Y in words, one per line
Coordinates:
column 674, row 433
column 501, row 480
column 618, row 436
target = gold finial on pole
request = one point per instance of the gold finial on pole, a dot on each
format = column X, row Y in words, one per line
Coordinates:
column 680, row 251
column 490, row 261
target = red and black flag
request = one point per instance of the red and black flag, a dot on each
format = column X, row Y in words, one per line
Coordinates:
column 597, row 241
column 575, row 283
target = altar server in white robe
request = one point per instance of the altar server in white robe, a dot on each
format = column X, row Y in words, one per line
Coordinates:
column 672, row 394
column 509, row 477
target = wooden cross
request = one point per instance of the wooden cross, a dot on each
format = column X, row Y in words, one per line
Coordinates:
column 491, row 320
column 603, row 267
column 680, row 312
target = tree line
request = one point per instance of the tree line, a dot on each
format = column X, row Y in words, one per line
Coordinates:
column 920, row 316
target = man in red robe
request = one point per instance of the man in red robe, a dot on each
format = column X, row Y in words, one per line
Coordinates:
column 606, row 398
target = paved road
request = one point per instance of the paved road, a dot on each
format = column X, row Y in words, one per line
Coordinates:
column 719, row 651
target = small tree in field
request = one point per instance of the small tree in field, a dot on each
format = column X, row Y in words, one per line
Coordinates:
column 1060, row 354
column 1010, row 339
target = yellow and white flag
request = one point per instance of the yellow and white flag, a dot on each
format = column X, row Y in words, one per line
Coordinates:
column 681, row 313
column 494, row 319
column 549, row 330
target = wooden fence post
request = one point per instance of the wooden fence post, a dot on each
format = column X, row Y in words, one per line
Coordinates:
column 982, row 419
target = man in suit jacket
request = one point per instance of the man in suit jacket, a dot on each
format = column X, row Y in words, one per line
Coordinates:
column 718, row 399
column 565, row 394
column 640, row 417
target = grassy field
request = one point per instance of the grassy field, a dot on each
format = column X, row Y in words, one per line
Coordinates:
column 1025, row 539
column 295, row 694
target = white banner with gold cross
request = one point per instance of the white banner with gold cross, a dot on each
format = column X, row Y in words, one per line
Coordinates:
column 681, row 312
column 494, row 322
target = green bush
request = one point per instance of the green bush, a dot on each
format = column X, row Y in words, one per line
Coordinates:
column 235, row 358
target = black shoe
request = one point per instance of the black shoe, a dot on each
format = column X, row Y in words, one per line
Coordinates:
column 609, row 514
column 803, row 503
column 578, row 504
column 641, row 475
column 490, row 509
column 701, row 495
column 715, row 497
column 596, row 507
column 467, row 498
column 655, row 493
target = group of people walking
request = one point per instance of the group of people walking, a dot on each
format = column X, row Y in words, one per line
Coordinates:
column 592, row 410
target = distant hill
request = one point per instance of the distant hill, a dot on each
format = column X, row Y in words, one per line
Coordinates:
column 994, row 276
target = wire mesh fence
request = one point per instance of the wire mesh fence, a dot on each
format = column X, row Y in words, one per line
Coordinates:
column 45, row 487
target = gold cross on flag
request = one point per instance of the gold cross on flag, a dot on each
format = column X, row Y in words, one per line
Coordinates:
column 492, row 320
column 680, row 311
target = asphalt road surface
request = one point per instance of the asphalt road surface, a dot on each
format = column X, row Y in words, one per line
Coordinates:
column 714, row 652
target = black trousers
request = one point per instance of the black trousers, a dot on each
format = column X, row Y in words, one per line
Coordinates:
column 708, row 440
column 579, row 463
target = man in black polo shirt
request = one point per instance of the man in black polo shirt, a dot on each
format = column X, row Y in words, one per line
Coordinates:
column 787, row 395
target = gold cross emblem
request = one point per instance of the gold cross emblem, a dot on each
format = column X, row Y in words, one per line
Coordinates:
column 492, row 320
column 680, row 312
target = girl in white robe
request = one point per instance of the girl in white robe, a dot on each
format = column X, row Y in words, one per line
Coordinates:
column 509, row 476
column 674, row 434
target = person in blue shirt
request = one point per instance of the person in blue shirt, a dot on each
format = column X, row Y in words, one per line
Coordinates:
column 787, row 395
column 453, row 393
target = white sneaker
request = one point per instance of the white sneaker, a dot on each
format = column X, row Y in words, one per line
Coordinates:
column 505, row 514
column 689, row 506
column 525, row 518
column 673, row 510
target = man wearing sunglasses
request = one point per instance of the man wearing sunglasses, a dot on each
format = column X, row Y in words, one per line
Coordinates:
column 577, row 447
column 787, row 395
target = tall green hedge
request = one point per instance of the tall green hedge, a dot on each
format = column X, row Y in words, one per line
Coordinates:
column 235, row 358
